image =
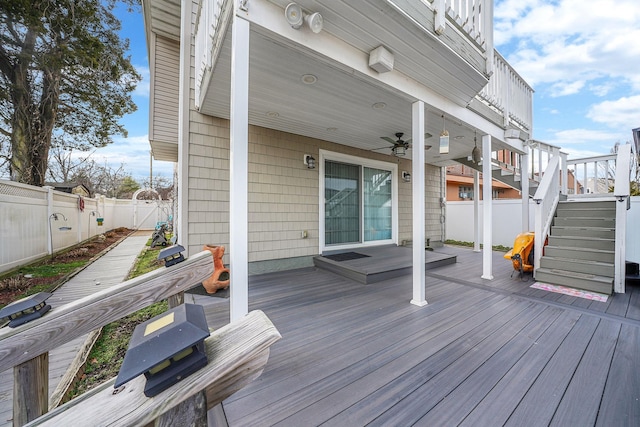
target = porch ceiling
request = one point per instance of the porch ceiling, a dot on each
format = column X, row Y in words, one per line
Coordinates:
column 343, row 105
column 339, row 107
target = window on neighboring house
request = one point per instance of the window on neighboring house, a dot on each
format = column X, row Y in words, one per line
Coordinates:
column 495, row 194
column 465, row 193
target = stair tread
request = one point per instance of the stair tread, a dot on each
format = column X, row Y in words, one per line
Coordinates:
column 570, row 248
column 579, row 261
column 603, row 239
column 582, row 227
column 575, row 275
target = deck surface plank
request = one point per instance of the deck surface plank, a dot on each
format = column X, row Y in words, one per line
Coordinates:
column 482, row 352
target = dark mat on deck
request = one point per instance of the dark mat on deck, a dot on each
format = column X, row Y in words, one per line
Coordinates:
column 345, row 256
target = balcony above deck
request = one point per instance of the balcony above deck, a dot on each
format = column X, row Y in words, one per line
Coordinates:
column 443, row 58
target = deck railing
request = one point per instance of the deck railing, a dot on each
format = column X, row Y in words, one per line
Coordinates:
column 212, row 19
column 241, row 350
column 509, row 94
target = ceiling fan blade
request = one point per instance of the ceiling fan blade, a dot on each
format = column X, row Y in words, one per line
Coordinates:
column 381, row 148
column 427, row 135
column 386, row 138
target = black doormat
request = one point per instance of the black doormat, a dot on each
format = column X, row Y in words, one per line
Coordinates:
column 346, row 256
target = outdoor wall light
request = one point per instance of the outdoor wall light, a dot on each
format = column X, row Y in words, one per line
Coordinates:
column 310, row 161
column 26, row 309
column 295, row 18
column 166, row 349
column 172, row 255
column 406, row 176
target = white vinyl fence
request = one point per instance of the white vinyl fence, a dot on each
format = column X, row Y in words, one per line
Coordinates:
column 507, row 223
column 36, row 221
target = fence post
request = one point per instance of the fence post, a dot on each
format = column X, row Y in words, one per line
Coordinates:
column 79, row 217
column 48, row 219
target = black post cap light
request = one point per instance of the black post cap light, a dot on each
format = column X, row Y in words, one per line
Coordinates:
column 166, row 348
column 26, row 309
column 172, row 255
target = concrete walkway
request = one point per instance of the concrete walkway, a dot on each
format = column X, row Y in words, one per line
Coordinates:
column 109, row 270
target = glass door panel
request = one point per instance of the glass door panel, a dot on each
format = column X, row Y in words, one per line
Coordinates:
column 377, row 204
column 342, row 203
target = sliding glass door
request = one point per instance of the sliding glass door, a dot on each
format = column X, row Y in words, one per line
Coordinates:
column 342, row 203
column 358, row 203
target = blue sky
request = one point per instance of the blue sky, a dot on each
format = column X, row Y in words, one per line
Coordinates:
column 582, row 59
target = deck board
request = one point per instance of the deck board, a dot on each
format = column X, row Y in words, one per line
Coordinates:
column 482, row 352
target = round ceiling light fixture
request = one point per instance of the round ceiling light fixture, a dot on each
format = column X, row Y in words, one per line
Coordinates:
column 309, row 79
column 379, row 106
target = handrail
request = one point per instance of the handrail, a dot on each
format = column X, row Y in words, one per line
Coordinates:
column 79, row 317
column 546, row 198
column 237, row 353
column 596, row 173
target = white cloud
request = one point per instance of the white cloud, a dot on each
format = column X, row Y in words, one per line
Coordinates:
column 142, row 89
column 620, row 113
column 570, row 40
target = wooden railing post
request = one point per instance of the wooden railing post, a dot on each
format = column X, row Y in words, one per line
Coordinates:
column 30, row 389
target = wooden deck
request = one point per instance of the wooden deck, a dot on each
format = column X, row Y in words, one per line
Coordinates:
column 480, row 353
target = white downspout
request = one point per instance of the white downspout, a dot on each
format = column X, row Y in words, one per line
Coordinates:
column 182, row 215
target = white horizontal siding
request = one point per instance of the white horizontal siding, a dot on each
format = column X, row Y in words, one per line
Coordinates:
column 165, row 63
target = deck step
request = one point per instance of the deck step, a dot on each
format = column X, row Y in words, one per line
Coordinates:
column 582, row 205
column 582, row 242
column 584, row 222
column 381, row 264
column 588, row 282
column 598, row 232
column 578, row 266
column 587, row 213
column 580, row 253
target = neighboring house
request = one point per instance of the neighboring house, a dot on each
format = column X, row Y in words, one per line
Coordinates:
column 312, row 127
column 460, row 186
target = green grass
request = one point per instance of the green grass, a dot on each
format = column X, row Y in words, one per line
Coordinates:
column 470, row 245
column 50, row 270
column 106, row 357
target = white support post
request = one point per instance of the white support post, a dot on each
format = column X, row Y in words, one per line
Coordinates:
column 565, row 173
column 418, row 200
column 487, row 210
column 181, row 220
column 476, row 211
column 524, row 186
column 238, row 169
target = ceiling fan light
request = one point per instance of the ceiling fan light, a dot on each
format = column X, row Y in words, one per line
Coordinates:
column 399, row 150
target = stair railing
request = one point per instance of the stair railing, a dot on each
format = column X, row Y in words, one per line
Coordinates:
column 546, row 198
column 621, row 192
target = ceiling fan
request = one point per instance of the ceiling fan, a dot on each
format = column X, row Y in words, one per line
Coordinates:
column 399, row 146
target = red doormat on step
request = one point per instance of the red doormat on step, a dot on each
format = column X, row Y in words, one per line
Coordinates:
column 594, row 296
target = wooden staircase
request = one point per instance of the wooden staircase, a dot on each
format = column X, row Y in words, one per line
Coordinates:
column 581, row 246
